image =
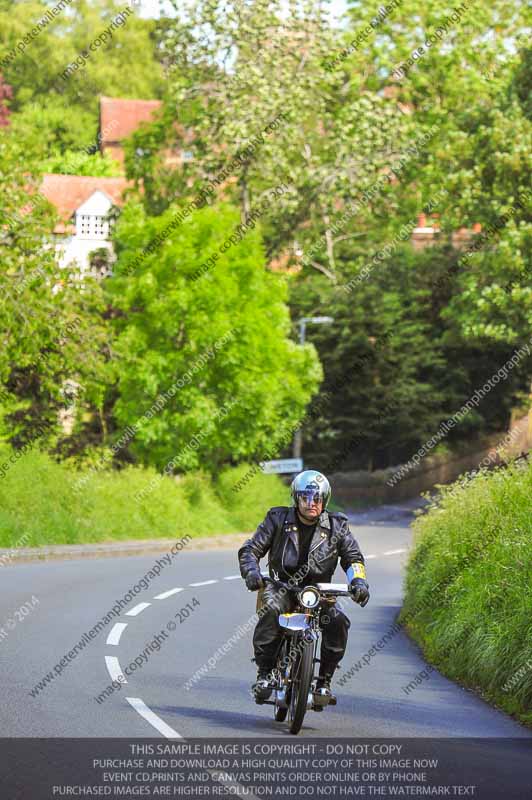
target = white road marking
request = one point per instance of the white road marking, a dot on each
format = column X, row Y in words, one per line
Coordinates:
column 158, row 723
column 203, row 583
column 137, row 609
column 114, row 669
column 116, row 632
column 165, row 729
column 169, row 593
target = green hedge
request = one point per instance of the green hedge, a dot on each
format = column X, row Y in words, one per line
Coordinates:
column 469, row 586
column 44, row 502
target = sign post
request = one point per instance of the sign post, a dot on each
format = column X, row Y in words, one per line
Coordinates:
column 282, row 466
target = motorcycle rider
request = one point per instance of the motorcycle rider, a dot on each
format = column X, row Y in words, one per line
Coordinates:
column 304, row 543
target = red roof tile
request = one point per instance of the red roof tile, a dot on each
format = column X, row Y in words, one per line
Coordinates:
column 68, row 192
column 120, row 118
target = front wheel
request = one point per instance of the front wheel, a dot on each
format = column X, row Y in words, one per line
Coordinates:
column 301, row 680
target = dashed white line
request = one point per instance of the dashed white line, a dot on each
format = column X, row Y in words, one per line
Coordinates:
column 158, row 723
column 137, row 609
column 114, row 669
column 169, row 593
column 203, row 583
column 116, row 632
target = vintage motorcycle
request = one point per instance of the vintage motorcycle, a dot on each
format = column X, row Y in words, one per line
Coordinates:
column 295, row 692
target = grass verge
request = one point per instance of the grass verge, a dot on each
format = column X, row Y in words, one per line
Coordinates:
column 43, row 502
column 468, row 596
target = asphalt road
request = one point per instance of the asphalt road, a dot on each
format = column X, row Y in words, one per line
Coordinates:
column 71, row 596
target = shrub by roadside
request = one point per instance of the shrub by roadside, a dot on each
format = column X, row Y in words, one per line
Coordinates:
column 470, row 576
column 39, row 504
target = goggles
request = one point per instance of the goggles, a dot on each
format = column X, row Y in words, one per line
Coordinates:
column 310, row 496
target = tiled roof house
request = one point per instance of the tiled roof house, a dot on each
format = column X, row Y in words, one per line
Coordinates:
column 119, row 118
column 82, row 204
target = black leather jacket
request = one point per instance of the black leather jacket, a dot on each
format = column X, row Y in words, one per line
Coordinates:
column 278, row 535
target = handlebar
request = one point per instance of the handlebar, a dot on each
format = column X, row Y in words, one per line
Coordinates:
column 327, row 589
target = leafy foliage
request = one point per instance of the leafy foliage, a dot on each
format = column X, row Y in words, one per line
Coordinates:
column 50, row 128
column 41, row 504
column 395, row 365
column 234, row 70
column 467, row 600
column 51, row 331
column 123, row 66
column 256, row 94
column 82, row 163
column 221, row 341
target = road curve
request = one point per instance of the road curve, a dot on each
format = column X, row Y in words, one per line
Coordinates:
column 159, row 698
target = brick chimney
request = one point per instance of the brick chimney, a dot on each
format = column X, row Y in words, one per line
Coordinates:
column 422, row 234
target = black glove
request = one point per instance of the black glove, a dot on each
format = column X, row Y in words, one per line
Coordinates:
column 254, row 581
column 359, row 589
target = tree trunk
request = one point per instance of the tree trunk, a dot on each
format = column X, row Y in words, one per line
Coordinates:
column 246, row 206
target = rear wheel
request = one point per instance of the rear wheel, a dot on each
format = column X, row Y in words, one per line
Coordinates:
column 301, row 680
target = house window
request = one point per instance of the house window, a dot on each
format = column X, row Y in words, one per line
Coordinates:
column 92, row 226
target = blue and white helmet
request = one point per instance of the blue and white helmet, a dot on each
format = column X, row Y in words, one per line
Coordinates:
column 309, row 484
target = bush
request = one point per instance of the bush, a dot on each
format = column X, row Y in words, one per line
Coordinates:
column 468, row 599
column 214, row 353
column 44, row 502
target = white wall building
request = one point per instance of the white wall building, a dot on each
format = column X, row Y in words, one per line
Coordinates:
column 83, row 204
column 91, row 231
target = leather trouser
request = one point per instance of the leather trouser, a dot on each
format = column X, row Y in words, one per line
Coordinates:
column 268, row 633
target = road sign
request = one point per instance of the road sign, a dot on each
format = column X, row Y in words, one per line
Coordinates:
column 282, row 465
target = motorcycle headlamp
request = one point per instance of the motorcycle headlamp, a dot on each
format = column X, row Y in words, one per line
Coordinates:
column 309, row 597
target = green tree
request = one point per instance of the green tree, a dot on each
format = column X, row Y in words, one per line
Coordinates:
column 493, row 172
column 122, row 66
column 31, row 67
column 51, row 128
column 209, row 347
column 456, row 319
column 472, row 82
column 52, row 332
column 396, row 364
column 75, row 162
column 247, row 85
